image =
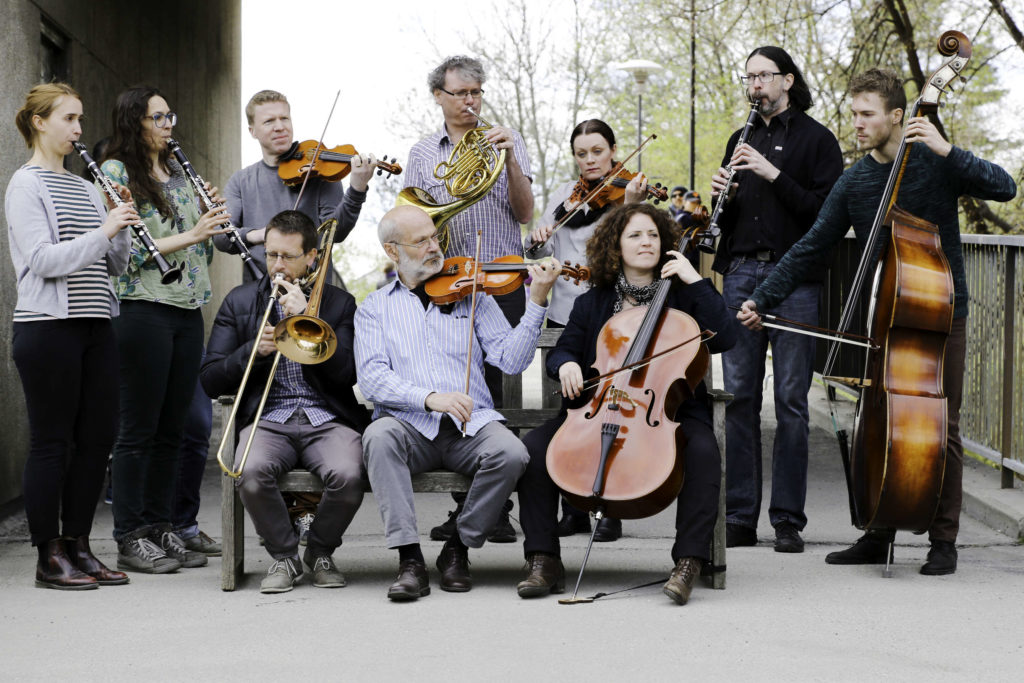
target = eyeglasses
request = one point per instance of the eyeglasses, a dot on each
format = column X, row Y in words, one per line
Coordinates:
column 677, row 195
column 461, row 94
column 765, row 77
column 161, row 120
column 273, row 256
column 423, row 243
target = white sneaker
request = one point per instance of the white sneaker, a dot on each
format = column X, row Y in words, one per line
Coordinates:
column 302, row 524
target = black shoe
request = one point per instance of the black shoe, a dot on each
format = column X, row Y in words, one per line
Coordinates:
column 412, row 583
column 503, row 531
column 443, row 532
column 453, row 563
column 571, row 524
column 941, row 559
column 871, row 548
column 787, row 538
column 608, row 529
column 547, row 575
column 737, row 535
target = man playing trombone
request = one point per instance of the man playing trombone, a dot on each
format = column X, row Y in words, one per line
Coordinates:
column 311, row 416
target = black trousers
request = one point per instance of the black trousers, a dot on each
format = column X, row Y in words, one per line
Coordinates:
column 696, row 506
column 160, row 348
column 68, row 371
column 195, row 449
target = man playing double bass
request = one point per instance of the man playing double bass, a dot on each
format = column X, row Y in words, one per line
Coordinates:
column 936, row 175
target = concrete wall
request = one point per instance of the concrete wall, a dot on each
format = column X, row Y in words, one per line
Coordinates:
column 190, row 49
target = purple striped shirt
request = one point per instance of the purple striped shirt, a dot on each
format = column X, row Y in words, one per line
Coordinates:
column 502, row 234
column 290, row 391
column 405, row 352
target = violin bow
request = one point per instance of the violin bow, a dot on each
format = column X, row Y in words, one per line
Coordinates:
column 319, row 146
column 608, row 180
column 835, row 336
column 472, row 323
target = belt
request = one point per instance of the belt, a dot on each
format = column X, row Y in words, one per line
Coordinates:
column 762, row 255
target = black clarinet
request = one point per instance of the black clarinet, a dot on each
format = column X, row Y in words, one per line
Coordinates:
column 707, row 243
column 169, row 272
column 199, row 185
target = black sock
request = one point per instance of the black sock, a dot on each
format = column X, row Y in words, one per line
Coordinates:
column 410, row 552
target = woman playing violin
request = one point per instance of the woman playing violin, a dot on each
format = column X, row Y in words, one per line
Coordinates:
column 593, row 148
column 629, row 253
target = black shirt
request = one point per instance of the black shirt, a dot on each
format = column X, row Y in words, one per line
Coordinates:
column 772, row 216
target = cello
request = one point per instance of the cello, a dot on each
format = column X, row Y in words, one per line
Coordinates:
column 896, row 465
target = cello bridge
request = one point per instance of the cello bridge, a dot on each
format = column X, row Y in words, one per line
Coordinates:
column 621, row 396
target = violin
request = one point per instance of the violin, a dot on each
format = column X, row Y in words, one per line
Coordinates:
column 614, row 192
column 503, row 275
column 331, row 163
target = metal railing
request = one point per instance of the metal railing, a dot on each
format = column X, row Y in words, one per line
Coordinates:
column 992, row 413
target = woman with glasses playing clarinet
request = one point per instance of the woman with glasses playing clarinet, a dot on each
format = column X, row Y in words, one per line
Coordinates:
column 64, row 246
column 592, row 143
column 159, row 333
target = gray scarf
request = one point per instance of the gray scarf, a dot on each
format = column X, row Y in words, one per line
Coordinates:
column 641, row 296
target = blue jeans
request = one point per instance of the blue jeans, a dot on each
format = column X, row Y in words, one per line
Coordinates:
column 743, row 369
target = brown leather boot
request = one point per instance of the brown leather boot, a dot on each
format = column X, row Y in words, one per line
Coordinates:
column 81, row 555
column 680, row 582
column 60, row 572
column 547, row 575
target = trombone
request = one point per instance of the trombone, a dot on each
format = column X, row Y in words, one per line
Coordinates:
column 303, row 338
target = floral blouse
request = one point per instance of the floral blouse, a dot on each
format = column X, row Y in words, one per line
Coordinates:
column 141, row 280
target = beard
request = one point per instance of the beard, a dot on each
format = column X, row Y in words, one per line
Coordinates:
column 769, row 107
column 419, row 270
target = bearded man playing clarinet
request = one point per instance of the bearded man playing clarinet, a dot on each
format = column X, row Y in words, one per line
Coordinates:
column 784, row 171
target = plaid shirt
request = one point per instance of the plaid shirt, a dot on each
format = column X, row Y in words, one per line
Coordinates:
column 501, row 232
column 290, row 391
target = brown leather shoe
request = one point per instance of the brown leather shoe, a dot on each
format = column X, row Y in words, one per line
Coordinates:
column 680, row 581
column 453, row 563
column 547, row 575
column 81, row 555
column 412, row 583
column 60, row 572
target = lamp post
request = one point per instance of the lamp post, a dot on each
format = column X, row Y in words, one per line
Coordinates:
column 640, row 70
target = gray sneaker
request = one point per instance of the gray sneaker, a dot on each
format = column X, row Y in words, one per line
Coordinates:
column 302, row 524
column 142, row 555
column 173, row 546
column 325, row 573
column 201, row 543
column 281, row 576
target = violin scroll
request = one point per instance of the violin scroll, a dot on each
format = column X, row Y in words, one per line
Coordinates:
column 576, row 273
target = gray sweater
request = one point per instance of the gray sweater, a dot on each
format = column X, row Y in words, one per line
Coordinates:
column 41, row 261
column 256, row 194
column 930, row 189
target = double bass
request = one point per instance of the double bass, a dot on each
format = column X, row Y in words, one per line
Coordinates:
column 897, row 461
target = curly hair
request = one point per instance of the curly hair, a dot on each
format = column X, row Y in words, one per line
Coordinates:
column 469, row 68
column 128, row 147
column 604, row 252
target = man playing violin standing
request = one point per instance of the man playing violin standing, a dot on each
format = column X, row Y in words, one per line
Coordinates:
column 457, row 87
column 256, row 193
column 311, row 416
column 935, row 177
column 411, row 363
column 784, row 172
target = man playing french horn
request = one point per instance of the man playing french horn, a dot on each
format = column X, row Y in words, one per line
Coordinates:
column 457, row 87
column 311, row 417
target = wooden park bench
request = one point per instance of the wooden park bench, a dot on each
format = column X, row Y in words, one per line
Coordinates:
column 442, row 481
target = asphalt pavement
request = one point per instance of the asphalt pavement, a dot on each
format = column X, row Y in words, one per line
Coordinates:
column 781, row 617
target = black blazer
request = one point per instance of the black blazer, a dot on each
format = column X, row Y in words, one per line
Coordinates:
column 594, row 307
column 235, row 331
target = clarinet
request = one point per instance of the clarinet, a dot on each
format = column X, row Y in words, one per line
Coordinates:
column 199, row 185
column 168, row 272
column 707, row 243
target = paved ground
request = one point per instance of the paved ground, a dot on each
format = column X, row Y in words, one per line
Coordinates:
column 781, row 617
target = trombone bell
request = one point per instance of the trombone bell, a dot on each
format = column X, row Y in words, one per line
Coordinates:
column 305, row 339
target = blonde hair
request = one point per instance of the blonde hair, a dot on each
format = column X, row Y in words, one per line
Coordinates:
column 262, row 97
column 40, row 101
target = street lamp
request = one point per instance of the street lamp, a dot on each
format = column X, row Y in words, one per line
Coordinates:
column 640, row 70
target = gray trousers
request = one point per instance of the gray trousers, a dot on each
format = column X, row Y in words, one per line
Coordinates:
column 331, row 451
column 393, row 451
